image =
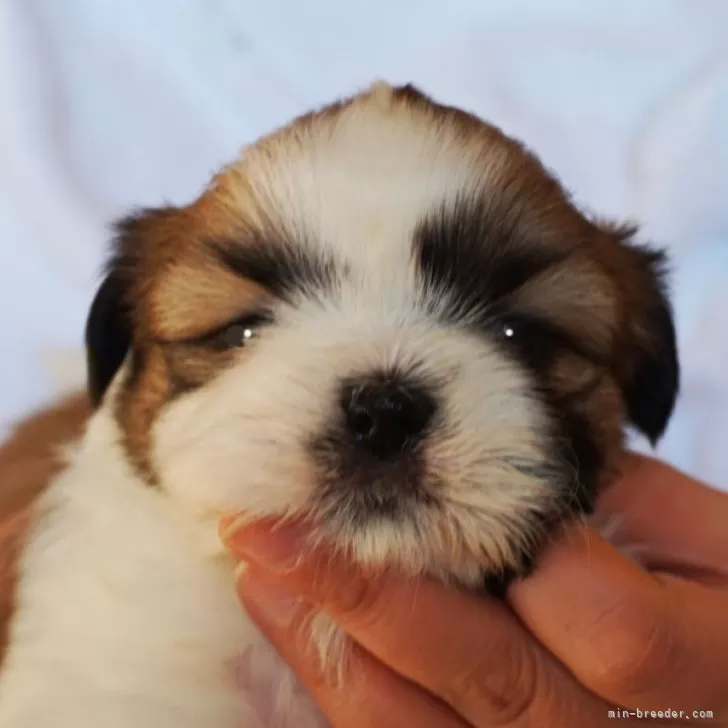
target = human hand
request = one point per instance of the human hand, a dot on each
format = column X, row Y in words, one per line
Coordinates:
column 589, row 632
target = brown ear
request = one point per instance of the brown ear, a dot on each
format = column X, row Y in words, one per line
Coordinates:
column 109, row 323
column 649, row 370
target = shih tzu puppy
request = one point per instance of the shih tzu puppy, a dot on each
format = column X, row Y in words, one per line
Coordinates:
column 386, row 318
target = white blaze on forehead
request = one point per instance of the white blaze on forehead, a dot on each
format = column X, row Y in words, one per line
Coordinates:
column 359, row 180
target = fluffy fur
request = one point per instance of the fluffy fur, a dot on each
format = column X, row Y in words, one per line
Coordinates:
column 384, row 243
column 29, row 459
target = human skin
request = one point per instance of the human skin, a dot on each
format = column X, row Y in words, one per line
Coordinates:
column 588, row 632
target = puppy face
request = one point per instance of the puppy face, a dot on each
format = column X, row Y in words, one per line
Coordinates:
column 389, row 319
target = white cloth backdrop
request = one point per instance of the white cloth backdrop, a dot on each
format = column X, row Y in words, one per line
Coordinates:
column 107, row 104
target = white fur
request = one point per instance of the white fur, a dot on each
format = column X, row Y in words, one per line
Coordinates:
column 123, row 619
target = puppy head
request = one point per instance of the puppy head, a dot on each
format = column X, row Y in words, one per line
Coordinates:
column 389, row 319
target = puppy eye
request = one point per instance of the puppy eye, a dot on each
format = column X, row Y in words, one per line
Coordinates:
column 240, row 332
column 512, row 328
column 520, row 328
column 536, row 340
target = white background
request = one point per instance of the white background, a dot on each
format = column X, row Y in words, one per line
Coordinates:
column 108, row 104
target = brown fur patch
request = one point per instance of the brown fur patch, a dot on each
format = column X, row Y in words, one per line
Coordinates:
column 580, row 297
column 175, row 291
column 193, row 298
column 147, row 388
column 28, row 461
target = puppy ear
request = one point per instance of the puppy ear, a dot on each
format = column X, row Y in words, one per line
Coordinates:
column 650, row 370
column 108, row 335
column 109, row 324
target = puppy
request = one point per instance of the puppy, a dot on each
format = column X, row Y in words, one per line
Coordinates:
column 385, row 318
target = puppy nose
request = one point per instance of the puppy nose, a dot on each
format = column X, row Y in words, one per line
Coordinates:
column 386, row 418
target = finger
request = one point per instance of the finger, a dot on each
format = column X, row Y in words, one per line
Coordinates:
column 673, row 516
column 469, row 652
column 374, row 695
column 631, row 637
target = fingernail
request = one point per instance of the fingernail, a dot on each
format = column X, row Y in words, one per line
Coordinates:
column 276, row 546
column 272, row 602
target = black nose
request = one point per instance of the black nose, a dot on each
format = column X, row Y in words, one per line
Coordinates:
column 386, row 418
